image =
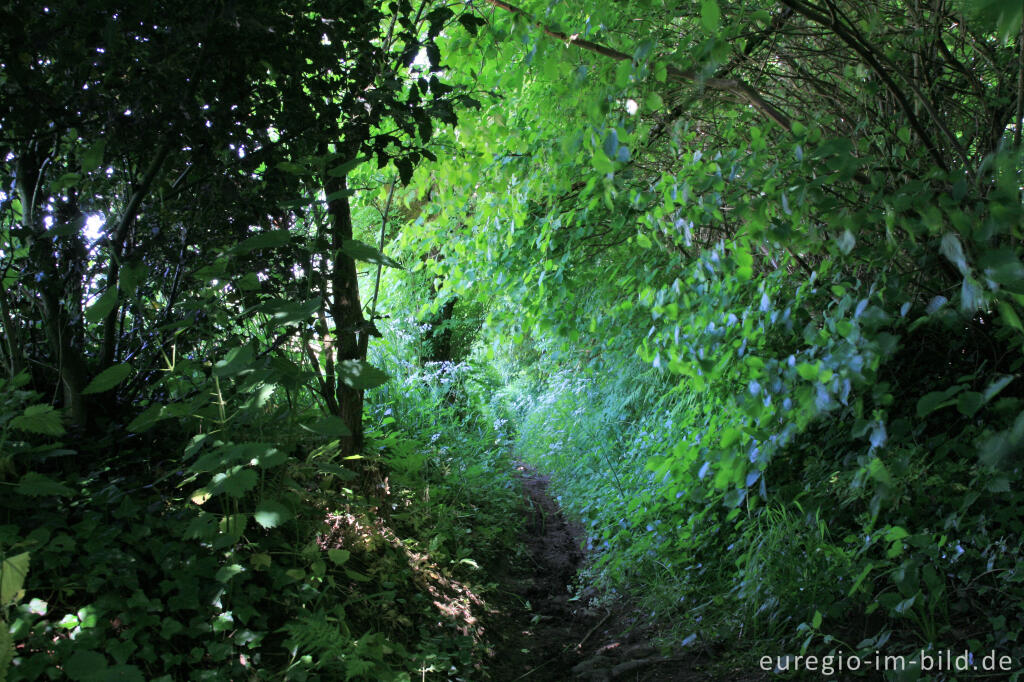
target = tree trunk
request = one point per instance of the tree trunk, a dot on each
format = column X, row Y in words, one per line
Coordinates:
column 346, row 313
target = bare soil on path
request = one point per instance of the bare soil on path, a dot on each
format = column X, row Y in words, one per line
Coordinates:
column 545, row 634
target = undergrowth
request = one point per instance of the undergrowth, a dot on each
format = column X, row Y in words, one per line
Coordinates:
column 240, row 545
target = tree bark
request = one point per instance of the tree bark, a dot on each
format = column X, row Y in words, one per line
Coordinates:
column 346, row 313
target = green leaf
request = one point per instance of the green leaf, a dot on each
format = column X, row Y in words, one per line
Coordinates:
column 292, row 168
column 103, row 305
column 233, row 525
column 338, row 556
column 226, row 573
column 357, row 250
column 287, row 312
column 330, row 426
column 12, row 578
column 86, row 666
column 969, row 403
column 130, row 276
column 954, row 253
column 601, row 162
column 360, row 375
column 235, row 482
column 1009, row 316
column 34, row 484
column 41, row 419
column 270, row 239
column 816, row 621
column 935, row 400
column 237, row 360
column 271, row 514
column 710, row 15
column 92, row 157
column 1003, row 267
column 808, row 371
column 108, row 379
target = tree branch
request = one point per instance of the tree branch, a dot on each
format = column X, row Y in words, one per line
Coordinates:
column 691, row 76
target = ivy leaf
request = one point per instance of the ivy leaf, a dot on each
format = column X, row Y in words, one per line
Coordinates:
column 41, row 419
column 271, row 514
column 360, row 375
column 103, row 305
column 108, row 378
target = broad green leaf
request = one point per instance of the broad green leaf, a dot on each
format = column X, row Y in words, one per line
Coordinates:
column 1004, row 268
column 34, row 484
column 969, row 402
column 226, row 573
column 808, row 371
column 338, row 556
column 270, row 239
column 130, row 276
column 235, row 482
column 237, row 360
column 92, row 157
column 601, row 162
column 103, row 305
column 271, row 514
column 108, row 379
column 287, row 312
column 12, row 578
column 232, row 526
column 292, row 168
column 41, row 419
column 710, row 15
column 331, row 426
column 653, row 101
column 930, row 402
column 954, row 253
column 360, row 375
column 86, row 666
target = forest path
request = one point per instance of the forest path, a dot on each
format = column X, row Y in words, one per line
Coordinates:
column 545, row 635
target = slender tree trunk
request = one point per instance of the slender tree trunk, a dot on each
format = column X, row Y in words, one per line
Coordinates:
column 346, row 313
column 48, row 279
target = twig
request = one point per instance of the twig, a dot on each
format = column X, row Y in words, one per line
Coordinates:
column 594, row 629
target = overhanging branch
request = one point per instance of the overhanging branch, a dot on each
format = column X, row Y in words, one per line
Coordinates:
column 692, row 76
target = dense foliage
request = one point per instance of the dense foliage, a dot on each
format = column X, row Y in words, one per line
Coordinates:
column 746, row 278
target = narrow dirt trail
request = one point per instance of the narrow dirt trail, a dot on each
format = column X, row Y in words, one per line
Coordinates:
column 548, row 636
